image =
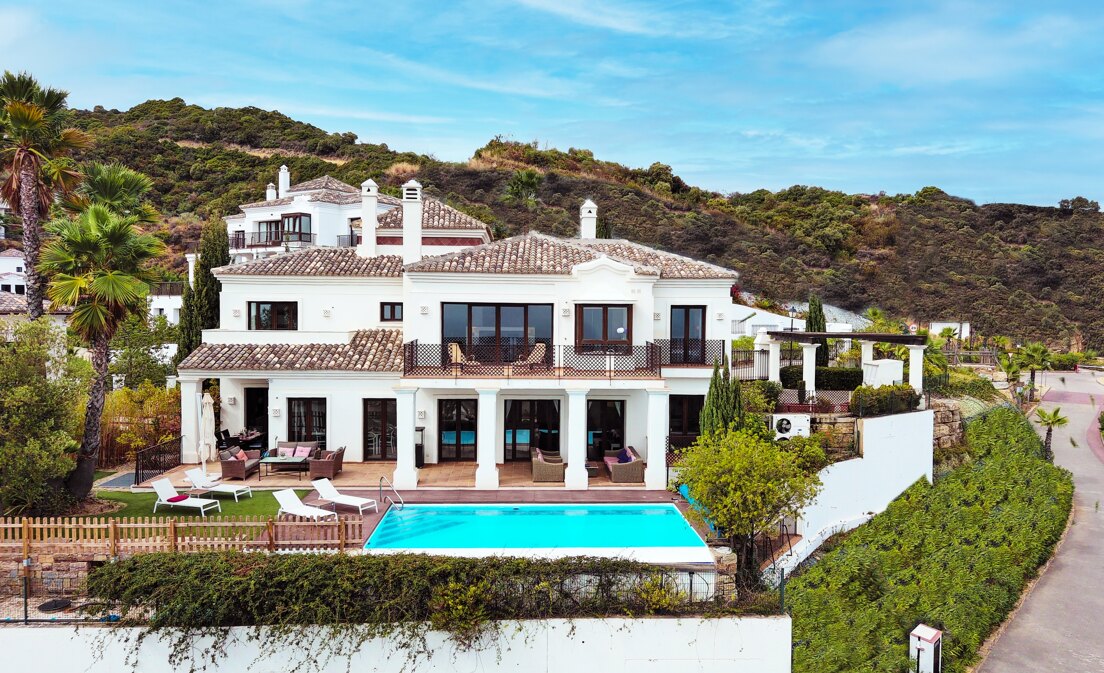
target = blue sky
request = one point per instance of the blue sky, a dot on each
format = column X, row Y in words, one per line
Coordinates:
column 1000, row 101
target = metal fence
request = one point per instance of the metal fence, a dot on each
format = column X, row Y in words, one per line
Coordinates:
column 690, row 352
column 55, row 600
column 750, row 365
column 156, row 460
column 540, row 360
column 822, row 401
column 885, row 403
column 273, row 239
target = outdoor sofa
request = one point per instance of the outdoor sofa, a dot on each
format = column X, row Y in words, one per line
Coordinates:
column 547, row 468
column 631, row 472
column 232, row 468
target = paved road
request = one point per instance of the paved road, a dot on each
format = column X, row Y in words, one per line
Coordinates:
column 1060, row 626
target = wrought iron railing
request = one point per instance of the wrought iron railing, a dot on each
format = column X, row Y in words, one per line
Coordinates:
column 347, row 241
column 271, row 239
column 537, row 360
column 690, row 352
column 822, row 401
column 750, row 365
column 166, row 289
column 156, row 460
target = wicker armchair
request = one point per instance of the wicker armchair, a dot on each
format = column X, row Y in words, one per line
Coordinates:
column 547, row 468
column 625, row 473
column 328, row 465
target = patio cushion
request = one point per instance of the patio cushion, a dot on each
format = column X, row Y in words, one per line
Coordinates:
column 225, row 455
column 240, row 455
column 624, row 456
column 285, row 451
column 178, row 498
column 303, row 451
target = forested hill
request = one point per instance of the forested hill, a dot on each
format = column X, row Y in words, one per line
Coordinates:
column 1024, row 271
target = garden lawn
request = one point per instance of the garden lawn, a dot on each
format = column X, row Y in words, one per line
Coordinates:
column 263, row 503
column 956, row 556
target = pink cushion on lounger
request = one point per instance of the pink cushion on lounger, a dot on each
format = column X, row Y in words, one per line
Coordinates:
column 302, row 451
column 178, row 498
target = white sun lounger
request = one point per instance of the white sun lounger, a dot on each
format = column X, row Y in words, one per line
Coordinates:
column 200, row 479
column 327, row 491
column 291, row 504
column 167, row 495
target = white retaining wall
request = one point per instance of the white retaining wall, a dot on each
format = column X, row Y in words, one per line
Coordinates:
column 896, row 451
column 662, row 645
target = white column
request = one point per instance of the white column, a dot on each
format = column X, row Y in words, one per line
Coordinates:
column 406, row 474
column 867, row 357
column 761, row 369
column 576, row 475
column 655, row 470
column 774, row 361
column 808, row 367
column 916, row 367
column 189, row 419
column 486, row 469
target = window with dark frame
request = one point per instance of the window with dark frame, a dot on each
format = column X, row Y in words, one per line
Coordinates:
column 307, row 420
column 603, row 327
column 497, row 332
column 273, row 315
column 684, row 413
column 296, row 227
column 391, row 311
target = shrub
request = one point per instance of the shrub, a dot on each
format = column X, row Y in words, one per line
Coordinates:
column 744, row 343
column 955, row 555
column 827, row 378
column 1065, row 362
column 871, row 401
column 964, row 382
column 761, row 397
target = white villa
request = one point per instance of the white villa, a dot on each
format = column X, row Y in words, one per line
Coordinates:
column 418, row 335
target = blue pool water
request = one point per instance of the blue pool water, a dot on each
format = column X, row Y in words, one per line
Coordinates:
column 532, row 527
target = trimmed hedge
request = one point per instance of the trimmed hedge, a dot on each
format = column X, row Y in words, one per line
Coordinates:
column 956, row 555
column 1065, row 362
column 827, row 378
column 871, row 401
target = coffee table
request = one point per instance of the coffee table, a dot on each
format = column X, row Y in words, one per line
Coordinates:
column 593, row 468
column 299, row 464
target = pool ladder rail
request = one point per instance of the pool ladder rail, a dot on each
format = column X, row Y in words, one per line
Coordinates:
column 388, row 497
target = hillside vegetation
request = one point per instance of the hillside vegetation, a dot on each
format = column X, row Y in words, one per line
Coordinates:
column 1023, row 271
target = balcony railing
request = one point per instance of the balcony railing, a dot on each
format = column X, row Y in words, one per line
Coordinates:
column 166, row 289
column 690, row 352
column 347, row 241
column 540, row 360
column 270, row 239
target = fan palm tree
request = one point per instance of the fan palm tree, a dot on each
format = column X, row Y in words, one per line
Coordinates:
column 98, row 265
column 33, row 143
column 1050, row 420
column 121, row 190
column 1035, row 356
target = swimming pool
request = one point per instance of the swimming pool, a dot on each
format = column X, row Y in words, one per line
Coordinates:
column 653, row 533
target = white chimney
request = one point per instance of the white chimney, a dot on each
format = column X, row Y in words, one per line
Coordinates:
column 284, row 182
column 588, row 220
column 412, row 222
column 192, row 257
column 270, row 192
column 369, row 202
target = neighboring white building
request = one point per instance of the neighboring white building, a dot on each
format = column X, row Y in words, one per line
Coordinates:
column 961, row 329
column 5, row 211
column 493, row 352
column 13, row 307
column 327, row 212
column 13, row 276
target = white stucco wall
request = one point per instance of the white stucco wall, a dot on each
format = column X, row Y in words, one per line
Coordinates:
column 659, row 645
column 168, row 305
column 896, row 451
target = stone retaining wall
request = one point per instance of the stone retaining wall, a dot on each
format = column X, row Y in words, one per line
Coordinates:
column 948, row 423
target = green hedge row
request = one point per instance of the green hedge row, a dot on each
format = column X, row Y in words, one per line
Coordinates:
column 827, row 378
column 1065, row 362
column 955, row 555
column 871, row 401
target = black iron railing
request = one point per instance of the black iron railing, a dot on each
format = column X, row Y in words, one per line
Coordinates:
column 690, row 352
column 536, row 360
column 166, row 289
column 347, row 241
column 156, row 460
column 750, row 365
column 271, row 239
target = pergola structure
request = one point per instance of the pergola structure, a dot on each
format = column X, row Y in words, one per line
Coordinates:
column 771, row 341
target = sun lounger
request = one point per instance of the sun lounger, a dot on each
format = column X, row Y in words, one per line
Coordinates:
column 327, row 491
column 201, row 480
column 167, row 495
column 291, row 504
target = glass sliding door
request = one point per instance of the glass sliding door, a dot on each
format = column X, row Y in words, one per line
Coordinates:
column 687, row 335
column 605, row 427
column 307, row 420
column 456, row 427
column 379, row 429
column 529, row 425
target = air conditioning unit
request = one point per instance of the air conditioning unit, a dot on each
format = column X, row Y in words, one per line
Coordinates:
column 791, row 425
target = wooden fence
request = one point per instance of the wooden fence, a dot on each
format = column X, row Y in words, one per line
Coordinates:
column 107, row 537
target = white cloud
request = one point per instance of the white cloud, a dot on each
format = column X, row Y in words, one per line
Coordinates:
column 651, row 21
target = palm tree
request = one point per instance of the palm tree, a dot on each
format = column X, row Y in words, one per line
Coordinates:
column 98, row 264
column 121, row 190
column 1034, row 356
column 1050, row 420
column 33, row 140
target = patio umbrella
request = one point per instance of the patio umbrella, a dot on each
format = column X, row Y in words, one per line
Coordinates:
column 206, row 447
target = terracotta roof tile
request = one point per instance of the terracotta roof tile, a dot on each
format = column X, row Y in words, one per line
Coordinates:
column 334, row 196
column 274, row 202
column 13, row 304
column 12, row 252
column 324, row 182
column 435, row 215
column 669, row 264
column 321, row 261
column 235, row 216
column 373, row 350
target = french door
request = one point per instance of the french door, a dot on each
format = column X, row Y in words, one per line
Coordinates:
column 605, row 427
column 687, row 335
column 307, row 420
column 379, row 429
column 529, row 425
column 456, row 428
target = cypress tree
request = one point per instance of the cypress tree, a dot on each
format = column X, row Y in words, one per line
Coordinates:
column 815, row 322
column 200, row 309
column 709, row 421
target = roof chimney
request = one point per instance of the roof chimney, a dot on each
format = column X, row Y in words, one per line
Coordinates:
column 270, row 192
column 412, row 221
column 284, row 182
column 588, row 220
column 369, row 203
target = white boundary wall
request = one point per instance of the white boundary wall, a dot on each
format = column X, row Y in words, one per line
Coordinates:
column 660, row 645
column 896, row 451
